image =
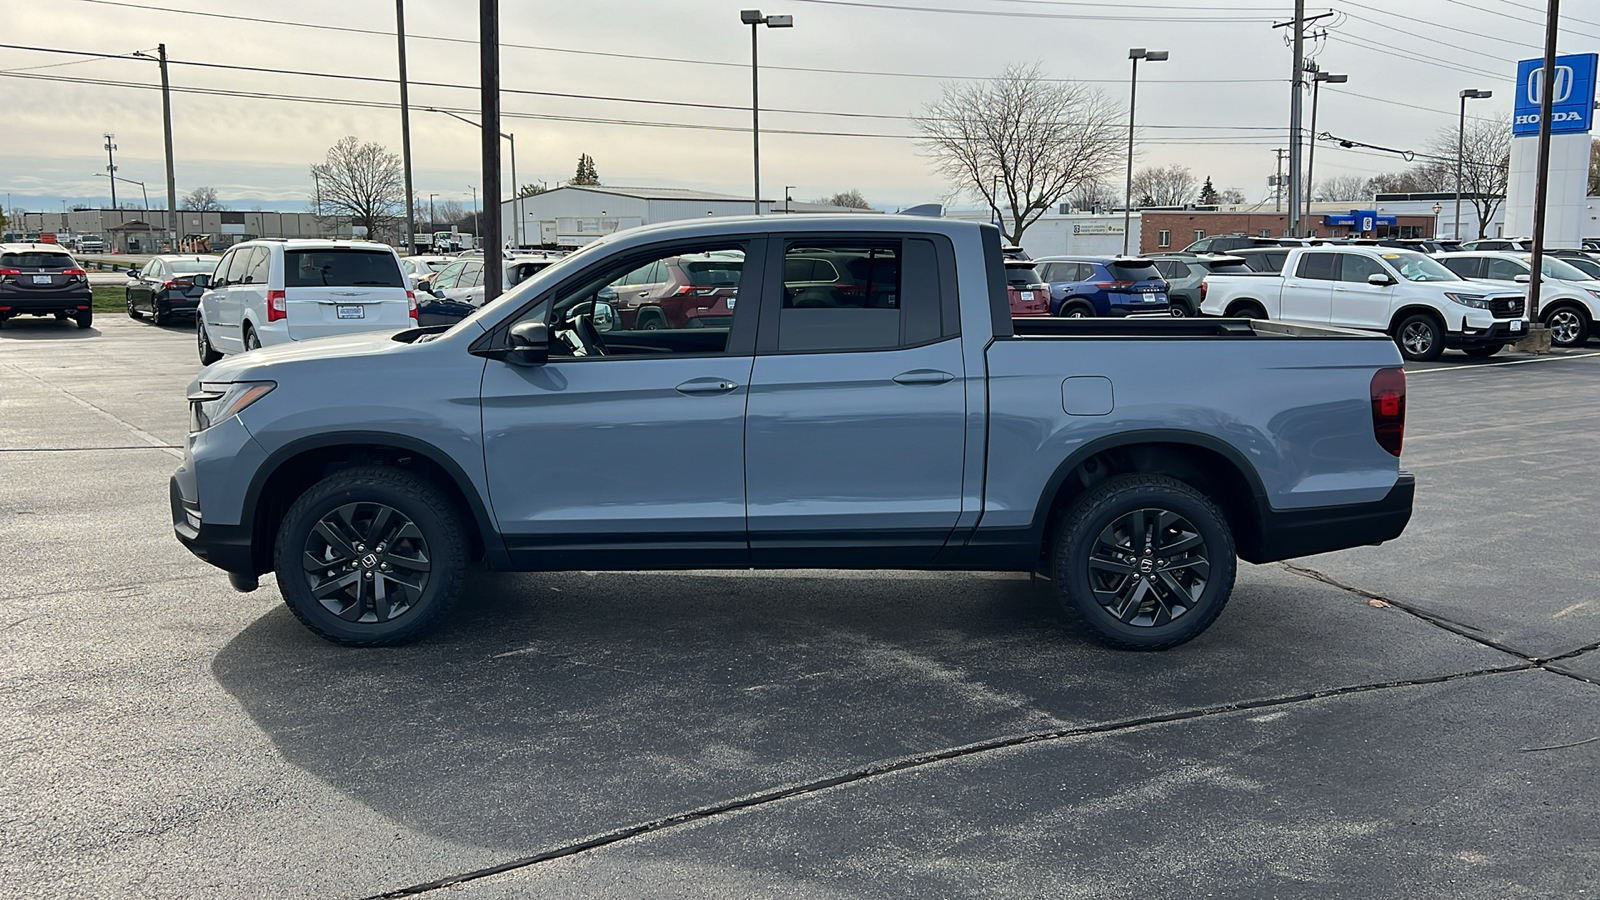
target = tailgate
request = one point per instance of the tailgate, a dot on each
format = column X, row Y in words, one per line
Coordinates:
column 321, row 312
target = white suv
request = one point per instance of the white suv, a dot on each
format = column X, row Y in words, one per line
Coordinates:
column 1569, row 299
column 272, row 292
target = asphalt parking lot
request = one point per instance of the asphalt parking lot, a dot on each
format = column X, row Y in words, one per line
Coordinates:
column 1412, row 720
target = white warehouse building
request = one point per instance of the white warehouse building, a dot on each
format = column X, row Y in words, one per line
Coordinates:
column 574, row 215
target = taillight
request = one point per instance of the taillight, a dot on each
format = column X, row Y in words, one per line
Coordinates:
column 1115, row 284
column 277, row 306
column 6, row 272
column 168, row 285
column 1203, row 287
column 693, row 291
column 1389, row 408
column 411, row 303
column 74, row 272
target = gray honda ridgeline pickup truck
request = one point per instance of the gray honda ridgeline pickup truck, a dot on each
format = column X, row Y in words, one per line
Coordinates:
column 791, row 392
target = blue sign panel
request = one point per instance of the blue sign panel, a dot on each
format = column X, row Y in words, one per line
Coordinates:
column 1572, row 109
column 1362, row 220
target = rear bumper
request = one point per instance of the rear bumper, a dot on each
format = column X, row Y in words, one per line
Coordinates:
column 1287, row 534
column 24, row 305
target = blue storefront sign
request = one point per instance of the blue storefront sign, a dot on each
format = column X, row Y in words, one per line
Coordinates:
column 1572, row 109
column 1362, row 220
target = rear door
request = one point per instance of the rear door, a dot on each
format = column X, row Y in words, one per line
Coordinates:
column 339, row 290
column 1308, row 290
column 855, row 428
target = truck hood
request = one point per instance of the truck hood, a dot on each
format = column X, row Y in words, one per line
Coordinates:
column 260, row 365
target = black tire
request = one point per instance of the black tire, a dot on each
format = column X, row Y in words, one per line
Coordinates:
column 1151, row 588
column 1483, row 352
column 133, row 313
column 208, row 353
column 1180, row 310
column 1568, row 325
column 422, row 562
column 1420, row 337
column 158, row 315
column 1247, row 310
column 652, row 323
column 84, row 318
column 251, row 341
column 1076, row 310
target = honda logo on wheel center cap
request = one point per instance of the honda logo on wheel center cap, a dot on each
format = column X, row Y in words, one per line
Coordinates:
column 370, row 560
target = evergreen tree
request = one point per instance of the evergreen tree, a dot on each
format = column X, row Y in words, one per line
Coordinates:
column 586, row 171
column 1208, row 193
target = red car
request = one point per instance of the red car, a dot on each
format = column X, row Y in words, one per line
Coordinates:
column 1029, row 294
column 694, row 291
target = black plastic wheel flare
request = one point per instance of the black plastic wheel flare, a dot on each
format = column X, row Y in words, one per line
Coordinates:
column 366, row 563
column 1148, row 567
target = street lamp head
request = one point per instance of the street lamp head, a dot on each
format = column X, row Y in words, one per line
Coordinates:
column 1471, row 94
column 750, row 16
column 1155, row 56
column 780, row 21
column 1331, row 78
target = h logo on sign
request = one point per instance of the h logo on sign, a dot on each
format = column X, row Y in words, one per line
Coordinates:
column 1563, row 87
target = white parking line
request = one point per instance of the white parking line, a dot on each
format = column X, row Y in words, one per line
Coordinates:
column 1509, row 362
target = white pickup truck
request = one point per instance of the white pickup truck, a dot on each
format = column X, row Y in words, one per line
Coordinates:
column 1412, row 298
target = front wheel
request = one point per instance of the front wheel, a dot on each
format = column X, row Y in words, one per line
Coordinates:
column 371, row 556
column 1568, row 327
column 1145, row 562
column 132, row 312
column 1420, row 337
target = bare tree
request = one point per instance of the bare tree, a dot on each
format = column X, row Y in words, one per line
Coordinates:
column 202, row 199
column 1172, row 185
column 851, row 199
column 1092, row 194
column 1020, row 142
column 1232, row 197
column 451, row 212
column 363, row 182
column 1336, row 188
column 1485, row 148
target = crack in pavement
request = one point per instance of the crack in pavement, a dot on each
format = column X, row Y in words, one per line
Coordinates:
column 902, row 764
column 149, row 439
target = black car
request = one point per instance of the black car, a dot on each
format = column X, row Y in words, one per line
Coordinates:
column 1263, row 259
column 43, row 280
column 165, row 286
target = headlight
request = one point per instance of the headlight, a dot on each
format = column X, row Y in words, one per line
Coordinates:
column 218, row 401
column 1473, row 300
column 1596, row 294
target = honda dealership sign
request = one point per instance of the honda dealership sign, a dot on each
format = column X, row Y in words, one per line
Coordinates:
column 1573, row 96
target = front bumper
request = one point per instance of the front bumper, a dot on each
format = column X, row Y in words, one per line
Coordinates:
column 1303, row 532
column 1503, row 331
column 227, row 547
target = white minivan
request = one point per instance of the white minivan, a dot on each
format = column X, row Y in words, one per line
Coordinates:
column 268, row 292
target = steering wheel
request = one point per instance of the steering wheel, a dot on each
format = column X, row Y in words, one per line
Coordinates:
column 581, row 320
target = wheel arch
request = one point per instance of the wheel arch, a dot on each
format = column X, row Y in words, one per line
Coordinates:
column 293, row 468
column 1236, row 303
column 1208, row 464
column 1406, row 312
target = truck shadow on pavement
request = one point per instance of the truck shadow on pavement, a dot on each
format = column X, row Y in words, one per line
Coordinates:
column 557, row 706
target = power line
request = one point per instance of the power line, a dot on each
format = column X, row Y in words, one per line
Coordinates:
column 1433, row 24
column 1408, row 56
column 1523, row 19
column 1041, row 15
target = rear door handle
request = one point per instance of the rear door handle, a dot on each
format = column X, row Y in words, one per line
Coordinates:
column 923, row 376
column 707, row 386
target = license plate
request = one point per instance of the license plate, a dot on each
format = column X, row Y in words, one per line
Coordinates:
column 732, row 301
column 41, row 279
column 1516, row 324
column 1027, row 295
column 352, row 312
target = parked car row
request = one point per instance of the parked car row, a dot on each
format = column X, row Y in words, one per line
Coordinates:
column 43, row 280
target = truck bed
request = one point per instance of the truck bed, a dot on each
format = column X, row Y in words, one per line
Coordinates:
column 1166, row 327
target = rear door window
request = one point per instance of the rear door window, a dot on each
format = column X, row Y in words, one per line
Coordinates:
column 1319, row 267
column 1505, row 269
column 341, row 267
column 260, row 266
column 859, row 311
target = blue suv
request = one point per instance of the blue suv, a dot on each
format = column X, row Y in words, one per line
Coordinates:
column 1083, row 286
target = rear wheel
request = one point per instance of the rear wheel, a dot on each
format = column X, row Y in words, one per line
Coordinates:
column 1420, row 337
column 1568, row 327
column 251, row 341
column 1077, row 310
column 371, row 556
column 1247, row 310
column 158, row 315
column 1145, row 562
column 84, row 318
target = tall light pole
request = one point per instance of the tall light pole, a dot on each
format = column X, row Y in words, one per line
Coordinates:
column 111, row 167
column 489, row 103
column 405, row 125
column 1541, row 190
column 516, row 201
column 753, row 17
column 116, row 178
column 1135, row 54
column 431, row 220
column 1461, row 149
column 1317, row 78
column 166, row 129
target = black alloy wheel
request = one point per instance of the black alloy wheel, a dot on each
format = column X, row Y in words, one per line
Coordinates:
column 1146, row 562
column 371, row 556
column 366, row 562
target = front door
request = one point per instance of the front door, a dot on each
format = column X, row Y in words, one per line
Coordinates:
column 856, row 425
column 626, row 450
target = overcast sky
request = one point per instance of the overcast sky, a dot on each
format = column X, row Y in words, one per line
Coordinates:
column 1219, row 106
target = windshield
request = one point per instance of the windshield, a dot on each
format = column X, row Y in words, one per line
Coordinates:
column 1559, row 268
column 1413, row 266
column 192, row 266
column 524, row 291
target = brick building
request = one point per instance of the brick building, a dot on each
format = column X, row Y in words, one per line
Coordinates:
column 1174, row 229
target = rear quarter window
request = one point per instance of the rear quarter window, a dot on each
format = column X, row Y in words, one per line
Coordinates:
column 341, row 267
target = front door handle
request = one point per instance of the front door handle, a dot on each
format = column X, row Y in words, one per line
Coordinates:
column 923, row 376
column 707, row 386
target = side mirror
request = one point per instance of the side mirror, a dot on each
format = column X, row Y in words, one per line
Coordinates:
column 605, row 317
column 607, row 294
column 1379, row 279
column 1524, row 278
column 528, row 344
column 202, row 280
column 133, row 273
